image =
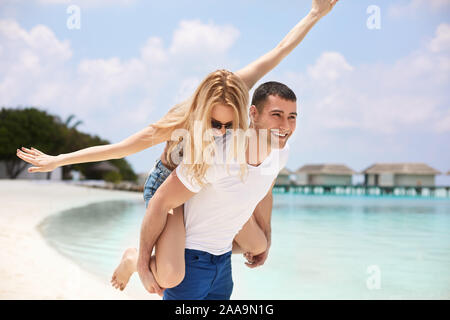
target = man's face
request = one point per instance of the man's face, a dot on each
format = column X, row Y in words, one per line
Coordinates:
column 278, row 117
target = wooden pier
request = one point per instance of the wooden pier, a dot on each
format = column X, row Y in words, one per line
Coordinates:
column 414, row 191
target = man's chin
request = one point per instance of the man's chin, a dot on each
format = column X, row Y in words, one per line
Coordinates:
column 279, row 143
column 283, row 143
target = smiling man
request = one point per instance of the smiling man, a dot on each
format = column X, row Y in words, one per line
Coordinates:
column 215, row 213
column 274, row 109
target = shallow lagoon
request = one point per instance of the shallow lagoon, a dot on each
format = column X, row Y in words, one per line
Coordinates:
column 323, row 247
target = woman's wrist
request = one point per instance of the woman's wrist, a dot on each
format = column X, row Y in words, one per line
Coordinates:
column 59, row 160
column 314, row 15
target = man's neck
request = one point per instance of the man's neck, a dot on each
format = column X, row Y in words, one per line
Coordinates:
column 257, row 152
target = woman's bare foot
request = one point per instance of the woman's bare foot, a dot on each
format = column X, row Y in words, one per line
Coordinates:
column 125, row 269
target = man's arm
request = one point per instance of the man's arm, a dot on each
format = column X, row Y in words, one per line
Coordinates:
column 171, row 194
column 263, row 216
column 253, row 72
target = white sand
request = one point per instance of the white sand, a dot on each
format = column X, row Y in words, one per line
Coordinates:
column 29, row 268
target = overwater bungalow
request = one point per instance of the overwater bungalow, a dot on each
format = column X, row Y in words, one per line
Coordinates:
column 325, row 175
column 400, row 174
column 284, row 178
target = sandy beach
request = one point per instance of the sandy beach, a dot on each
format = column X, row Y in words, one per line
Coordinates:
column 29, row 268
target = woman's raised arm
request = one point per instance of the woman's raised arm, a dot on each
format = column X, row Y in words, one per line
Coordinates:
column 253, row 72
column 141, row 140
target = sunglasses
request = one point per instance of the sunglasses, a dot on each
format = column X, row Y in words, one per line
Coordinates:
column 219, row 125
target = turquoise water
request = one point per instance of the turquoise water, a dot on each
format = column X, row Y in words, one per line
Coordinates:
column 323, row 247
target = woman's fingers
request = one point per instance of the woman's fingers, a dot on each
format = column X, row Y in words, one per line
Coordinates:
column 33, row 152
column 25, row 157
column 39, row 152
column 24, row 152
column 30, row 159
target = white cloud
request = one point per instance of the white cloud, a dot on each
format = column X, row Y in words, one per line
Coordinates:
column 413, row 7
column 411, row 94
column 330, row 66
column 194, row 37
column 187, row 88
column 36, row 68
column 441, row 42
column 443, row 124
column 29, row 59
column 153, row 51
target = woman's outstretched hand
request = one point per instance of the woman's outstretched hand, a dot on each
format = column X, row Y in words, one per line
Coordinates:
column 321, row 8
column 40, row 161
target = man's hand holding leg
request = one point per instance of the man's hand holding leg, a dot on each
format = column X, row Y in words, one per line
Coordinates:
column 147, row 278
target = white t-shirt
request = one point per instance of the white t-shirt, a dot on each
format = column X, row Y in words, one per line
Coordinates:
column 219, row 210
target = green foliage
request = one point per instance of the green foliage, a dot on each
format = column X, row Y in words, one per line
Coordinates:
column 112, row 176
column 30, row 127
column 125, row 169
column 25, row 128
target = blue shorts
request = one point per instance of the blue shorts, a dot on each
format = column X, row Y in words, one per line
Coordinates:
column 157, row 176
column 207, row 277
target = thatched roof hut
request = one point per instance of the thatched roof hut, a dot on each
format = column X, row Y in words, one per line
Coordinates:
column 285, row 172
column 329, row 169
column 103, row 166
column 284, row 177
column 401, row 168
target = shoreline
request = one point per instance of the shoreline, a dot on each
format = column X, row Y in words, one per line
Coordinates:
column 29, row 267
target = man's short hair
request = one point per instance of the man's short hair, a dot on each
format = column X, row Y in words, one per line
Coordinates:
column 271, row 88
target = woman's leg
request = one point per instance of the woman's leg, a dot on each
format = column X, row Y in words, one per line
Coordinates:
column 125, row 269
column 167, row 264
column 251, row 239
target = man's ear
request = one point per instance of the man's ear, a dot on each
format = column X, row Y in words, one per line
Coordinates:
column 253, row 113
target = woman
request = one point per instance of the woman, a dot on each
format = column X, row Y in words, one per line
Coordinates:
column 220, row 103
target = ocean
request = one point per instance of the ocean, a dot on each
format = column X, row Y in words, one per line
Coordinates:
column 323, row 247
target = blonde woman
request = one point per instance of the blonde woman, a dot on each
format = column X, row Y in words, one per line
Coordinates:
column 219, row 103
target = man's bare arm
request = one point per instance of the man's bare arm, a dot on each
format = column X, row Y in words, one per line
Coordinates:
column 171, row 194
column 263, row 215
column 253, row 72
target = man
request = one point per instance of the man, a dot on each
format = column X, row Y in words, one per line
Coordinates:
column 212, row 218
column 216, row 212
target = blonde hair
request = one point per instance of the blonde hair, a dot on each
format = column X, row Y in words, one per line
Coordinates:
column 219, row 87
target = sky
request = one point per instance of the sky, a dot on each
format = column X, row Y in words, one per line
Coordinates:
column 372, row 77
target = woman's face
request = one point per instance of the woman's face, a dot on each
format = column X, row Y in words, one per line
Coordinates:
column 222, row 117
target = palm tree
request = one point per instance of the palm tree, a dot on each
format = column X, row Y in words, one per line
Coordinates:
column 69, row 120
